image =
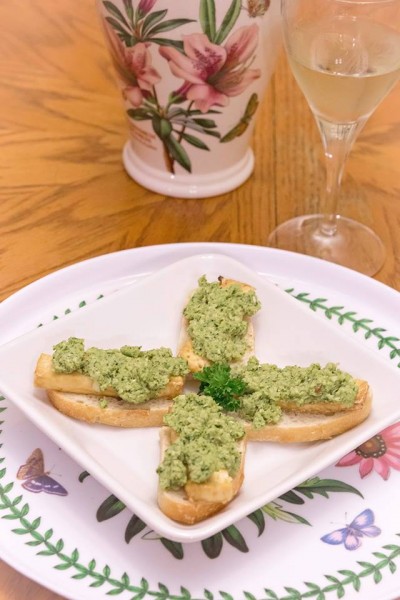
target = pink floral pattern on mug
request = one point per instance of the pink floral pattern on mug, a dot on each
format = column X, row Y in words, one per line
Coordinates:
column 214, row 64
column 135, row 72
column 214, row 73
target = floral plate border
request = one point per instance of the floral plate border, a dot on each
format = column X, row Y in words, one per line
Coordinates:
column 340, row 583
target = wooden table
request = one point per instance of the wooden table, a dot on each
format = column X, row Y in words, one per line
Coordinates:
column 65, row 197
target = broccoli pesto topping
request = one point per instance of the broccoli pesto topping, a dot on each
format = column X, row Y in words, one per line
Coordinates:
column 103, row 402
column 216, row 320
column 268, row 387
column 68, row 355
column 136, row 375
column 206, row 443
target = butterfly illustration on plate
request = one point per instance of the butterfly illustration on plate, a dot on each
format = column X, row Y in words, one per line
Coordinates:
column 35, row 478
column 350, row 536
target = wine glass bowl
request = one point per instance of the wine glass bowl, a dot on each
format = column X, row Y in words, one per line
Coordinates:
column 345, row 56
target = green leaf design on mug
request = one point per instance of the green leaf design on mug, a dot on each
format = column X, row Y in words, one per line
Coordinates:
column 207, row 18
column 167, row 26
column 114, row 10
column 138, row 26
column 244, row 122
column 195, row 141
column 153, row 19
column 229, row 21
column 178, row 153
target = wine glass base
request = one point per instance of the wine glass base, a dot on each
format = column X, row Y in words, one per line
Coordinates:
column 354, row 245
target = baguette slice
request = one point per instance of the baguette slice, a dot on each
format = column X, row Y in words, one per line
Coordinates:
column 78, row 396
column 117, row 412
column 198, row 501
column 77, row 383
column 196, row 362
column 301, row 426
column 326, row 408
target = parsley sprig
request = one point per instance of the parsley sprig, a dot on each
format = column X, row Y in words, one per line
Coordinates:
column 218, row 382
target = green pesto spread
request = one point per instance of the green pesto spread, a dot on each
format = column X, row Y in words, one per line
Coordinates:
column 103, row 402
column 216, row 320
column 206, row 443
column 135, row 374
column 268, row 385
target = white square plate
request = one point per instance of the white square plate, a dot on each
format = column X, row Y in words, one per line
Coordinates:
column 148, row 313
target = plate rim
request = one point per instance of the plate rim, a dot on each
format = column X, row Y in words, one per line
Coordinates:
column 199, row 247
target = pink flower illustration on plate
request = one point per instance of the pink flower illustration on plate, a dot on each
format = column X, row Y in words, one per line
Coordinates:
column 379, row 453
column 134, row 67
column 214, row 73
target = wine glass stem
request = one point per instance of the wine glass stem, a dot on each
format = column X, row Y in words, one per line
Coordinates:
column 337, row 139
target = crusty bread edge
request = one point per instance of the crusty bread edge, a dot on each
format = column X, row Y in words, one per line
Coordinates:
column 315, row 427
column 326, row 408
column 77, row 383
column 86, row 407
column 179, row 507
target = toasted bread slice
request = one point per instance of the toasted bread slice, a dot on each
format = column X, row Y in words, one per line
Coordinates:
column 114, row 411
column 302, row 426
column 196, row 362
column 46, row 377
column 197, row 501
column 321, row 408
column 78, row 396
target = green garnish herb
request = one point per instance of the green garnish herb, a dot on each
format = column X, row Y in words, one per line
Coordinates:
column 218, row 382
column 103, row 402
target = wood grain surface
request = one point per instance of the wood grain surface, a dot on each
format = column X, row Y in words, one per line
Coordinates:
column 65, row 197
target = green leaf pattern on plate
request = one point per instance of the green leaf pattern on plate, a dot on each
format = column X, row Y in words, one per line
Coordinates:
column 343, row 316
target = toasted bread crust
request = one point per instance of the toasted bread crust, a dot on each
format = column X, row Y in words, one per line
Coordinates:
column 86, row 407
column 326, row 408
column 196, row 362
column 46, row 377
column 302, row 427
column 199, row 500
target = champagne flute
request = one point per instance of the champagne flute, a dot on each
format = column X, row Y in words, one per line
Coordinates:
column 345, row 56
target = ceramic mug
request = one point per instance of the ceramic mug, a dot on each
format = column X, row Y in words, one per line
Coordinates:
column 192, row 75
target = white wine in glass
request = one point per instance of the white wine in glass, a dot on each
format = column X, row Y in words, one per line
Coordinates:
column 345, row 56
